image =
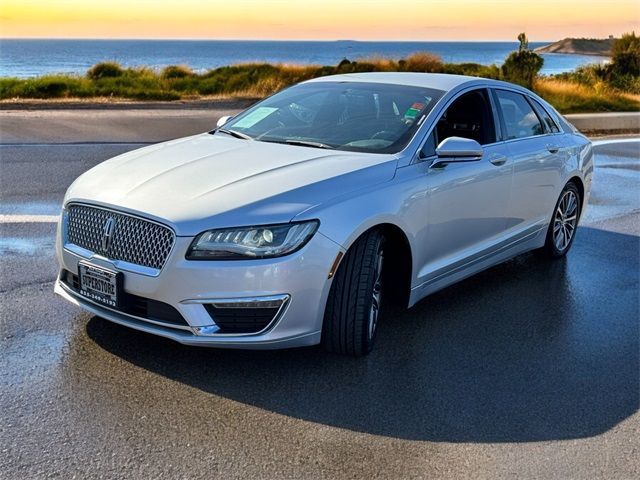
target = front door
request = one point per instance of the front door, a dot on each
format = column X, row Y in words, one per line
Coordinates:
column 468, row 201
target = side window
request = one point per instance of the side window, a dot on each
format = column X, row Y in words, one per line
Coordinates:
column 469, row 116
column 519, row 117
column 551, row 125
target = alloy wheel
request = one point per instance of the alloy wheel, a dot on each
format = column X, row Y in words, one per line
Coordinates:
column 565, row 220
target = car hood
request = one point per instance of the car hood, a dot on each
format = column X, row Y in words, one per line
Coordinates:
column 211, row 181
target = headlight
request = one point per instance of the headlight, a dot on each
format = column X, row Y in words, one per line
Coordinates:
column 251, row 242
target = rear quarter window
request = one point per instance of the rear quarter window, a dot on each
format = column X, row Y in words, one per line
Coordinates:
column 549, row 122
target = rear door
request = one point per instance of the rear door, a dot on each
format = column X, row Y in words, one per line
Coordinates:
column 537, row 154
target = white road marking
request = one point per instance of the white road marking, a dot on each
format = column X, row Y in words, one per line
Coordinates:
column 29, row 218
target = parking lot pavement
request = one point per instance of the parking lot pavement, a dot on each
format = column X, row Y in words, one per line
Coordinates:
column 528, row 370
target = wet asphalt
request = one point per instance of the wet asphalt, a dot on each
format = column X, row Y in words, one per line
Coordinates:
column 528, row 370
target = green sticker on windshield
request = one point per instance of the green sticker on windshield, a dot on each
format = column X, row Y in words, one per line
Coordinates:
column 254, row 117
column 411, row 113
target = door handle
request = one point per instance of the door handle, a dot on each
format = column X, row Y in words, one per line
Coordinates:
column 498, row 159
column 552, row 148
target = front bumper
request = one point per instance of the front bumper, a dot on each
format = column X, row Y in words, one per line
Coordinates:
column 187, row 286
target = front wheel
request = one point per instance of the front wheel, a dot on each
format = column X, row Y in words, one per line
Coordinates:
column 564, row 223
column 351, row 317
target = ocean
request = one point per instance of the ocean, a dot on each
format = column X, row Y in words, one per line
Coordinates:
column 29, row 58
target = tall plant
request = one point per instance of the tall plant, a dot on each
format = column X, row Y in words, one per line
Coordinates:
column 521, row 67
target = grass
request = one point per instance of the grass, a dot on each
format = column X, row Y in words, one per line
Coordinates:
column 142, row 86
column 572, row 97
column 110, row 80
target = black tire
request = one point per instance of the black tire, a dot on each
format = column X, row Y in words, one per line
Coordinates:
column 553, row 249
column 347, row 318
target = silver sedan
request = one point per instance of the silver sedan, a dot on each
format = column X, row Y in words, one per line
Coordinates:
column 293, row 222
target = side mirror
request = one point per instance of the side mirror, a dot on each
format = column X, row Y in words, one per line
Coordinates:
column 458, row 149
column 223, row 120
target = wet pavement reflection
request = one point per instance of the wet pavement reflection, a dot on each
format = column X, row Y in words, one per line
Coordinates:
column 526, row 366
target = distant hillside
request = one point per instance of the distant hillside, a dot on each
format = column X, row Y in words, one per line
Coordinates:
column 581, row 46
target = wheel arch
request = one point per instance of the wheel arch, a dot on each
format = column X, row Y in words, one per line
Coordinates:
column 577, row 181
column 398, row 268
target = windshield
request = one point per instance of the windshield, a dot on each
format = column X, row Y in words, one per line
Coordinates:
column 367, row 117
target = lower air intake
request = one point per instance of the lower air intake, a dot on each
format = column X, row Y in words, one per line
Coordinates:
column 245, row 316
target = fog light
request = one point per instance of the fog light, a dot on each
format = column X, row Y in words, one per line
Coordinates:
column 205, row 331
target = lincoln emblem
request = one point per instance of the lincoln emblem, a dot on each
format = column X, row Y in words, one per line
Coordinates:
column 107, row 233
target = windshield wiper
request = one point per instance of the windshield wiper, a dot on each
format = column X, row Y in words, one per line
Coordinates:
column 305, row 143
column 234, row 133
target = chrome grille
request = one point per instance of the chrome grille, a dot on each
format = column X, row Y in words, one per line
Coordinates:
column 133, row 239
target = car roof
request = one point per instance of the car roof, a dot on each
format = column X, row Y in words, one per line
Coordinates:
column 438, row 81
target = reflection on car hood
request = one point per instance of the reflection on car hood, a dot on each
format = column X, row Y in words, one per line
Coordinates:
column 209, row 181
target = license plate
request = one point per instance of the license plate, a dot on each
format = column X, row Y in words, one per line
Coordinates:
column 99, row 284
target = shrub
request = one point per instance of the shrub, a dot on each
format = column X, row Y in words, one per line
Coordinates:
column 423, row 62
column 51, row 86
column 473, row 69
column 345, row 66
column 213, row 85
column 176, row 71
column 10, row 87
column 626, row 83
column 188, row 85
column 379, row 64
column 625, row 55
column 587, row 74
column 104, row 70
column 522, row 67
column 265, row 87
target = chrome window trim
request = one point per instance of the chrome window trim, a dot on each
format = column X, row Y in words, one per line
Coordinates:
column 513, row 140
column 537, row 105
column 558, row 119
column 497, row 118
column 117, row 264
column 532, row 96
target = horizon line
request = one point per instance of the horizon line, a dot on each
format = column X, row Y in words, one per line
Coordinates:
column 280, row 40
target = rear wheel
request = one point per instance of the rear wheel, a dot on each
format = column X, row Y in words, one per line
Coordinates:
column 564, row 223
column 353, row 307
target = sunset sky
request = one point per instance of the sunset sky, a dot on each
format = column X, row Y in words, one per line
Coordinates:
column 318, row 19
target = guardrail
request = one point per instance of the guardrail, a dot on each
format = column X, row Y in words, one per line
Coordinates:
column 606, row 123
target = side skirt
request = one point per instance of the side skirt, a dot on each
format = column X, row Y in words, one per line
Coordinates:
column 478, row 262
